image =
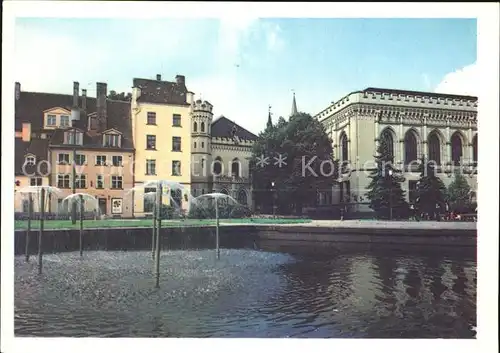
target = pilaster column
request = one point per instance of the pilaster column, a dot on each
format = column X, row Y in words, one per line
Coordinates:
column 470, row 152
column 424, row 136
column 447, row 157
column 401, row 141
column 349, row 144
column 376, row 130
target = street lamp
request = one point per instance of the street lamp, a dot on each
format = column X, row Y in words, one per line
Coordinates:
column 273, row 191
column 390, row 193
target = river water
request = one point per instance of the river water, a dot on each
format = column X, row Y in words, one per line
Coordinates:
column 248, row 293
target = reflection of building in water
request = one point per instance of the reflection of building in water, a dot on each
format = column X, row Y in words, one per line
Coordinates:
column 363, row 286
column 442, row 127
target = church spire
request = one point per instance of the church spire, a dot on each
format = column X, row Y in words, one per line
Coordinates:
column 294, row 106
column 269, row 120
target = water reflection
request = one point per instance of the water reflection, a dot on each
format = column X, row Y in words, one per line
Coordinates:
column 248, row 294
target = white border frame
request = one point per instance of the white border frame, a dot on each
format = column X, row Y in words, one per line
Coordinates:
column 488, row 49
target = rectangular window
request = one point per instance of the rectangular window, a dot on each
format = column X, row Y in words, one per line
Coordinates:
column 51, row 120
column 63, row 181
column 176, row 120
column 151, row 118
column 176, row 168
column 111, row 140
column 116, row 182
column 80, row 159
column 176, row 144
column 117, row 161
column 176, row 196
column 99, row 183
column 63, row 158
column 203, row 145
column 36, row 181
column 150, row 142
column 100, row 160
column 74, row 137
column 116, row 206
column 150, row 166
column 81, row 181
column 64, row 121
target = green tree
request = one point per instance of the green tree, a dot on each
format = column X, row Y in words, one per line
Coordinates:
column 459, row 194
column 430, row 190
column 120, row 96
column 386, row 196
column 308, row 164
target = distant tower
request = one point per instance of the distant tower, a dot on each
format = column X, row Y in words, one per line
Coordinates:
column 200, row 132
column 269, row 119
column 294, row 106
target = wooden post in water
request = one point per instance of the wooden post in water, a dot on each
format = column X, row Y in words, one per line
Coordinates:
column 217, row 228
column 153, row 241
column 81, row 225
column 30, row 215
column 40, row 233
column 158, row 232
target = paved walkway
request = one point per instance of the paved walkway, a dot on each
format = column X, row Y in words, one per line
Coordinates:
column 372, row 224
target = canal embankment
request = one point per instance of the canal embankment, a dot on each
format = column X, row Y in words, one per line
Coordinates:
column 315, row 234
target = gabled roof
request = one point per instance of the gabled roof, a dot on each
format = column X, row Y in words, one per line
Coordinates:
column 161, row 92
column 31, row 105
column 223, row 127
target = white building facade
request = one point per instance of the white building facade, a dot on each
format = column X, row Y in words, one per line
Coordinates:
column 441, row 127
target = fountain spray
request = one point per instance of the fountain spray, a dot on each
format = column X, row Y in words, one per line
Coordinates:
column 28, row 231
column 81, row 224
column 158, row 219
column 217, row 228
column 40, row 234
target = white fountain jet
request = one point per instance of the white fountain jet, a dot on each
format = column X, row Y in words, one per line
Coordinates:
column 43, row 194
column 163, row 188
column 216, row 196
column 85, row 202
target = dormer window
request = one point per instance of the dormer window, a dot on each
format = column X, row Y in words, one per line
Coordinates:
column 111, row 140
column 51, row 120
column 64, row 121
column 73, row 137
column 30, row 160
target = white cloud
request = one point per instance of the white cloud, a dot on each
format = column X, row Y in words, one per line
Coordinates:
column 464, row 81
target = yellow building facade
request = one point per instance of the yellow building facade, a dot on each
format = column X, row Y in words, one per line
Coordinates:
column 161, row 125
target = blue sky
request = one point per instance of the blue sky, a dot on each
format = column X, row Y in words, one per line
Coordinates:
column 243, row 65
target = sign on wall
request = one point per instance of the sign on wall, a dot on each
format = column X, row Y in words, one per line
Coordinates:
column 116, row 205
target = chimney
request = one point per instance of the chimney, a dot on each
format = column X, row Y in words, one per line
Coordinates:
column 76, row 93
column 102, row 114
column 181, row 80
column 84, row 99
column 26, row 133
column 158, row 77
column 17, row 90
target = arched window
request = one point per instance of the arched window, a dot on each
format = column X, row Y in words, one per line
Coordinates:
column 410, row 144
column 203, row 163
column 344, row 147
column 202, row 126
column 217, row 166
column 235, row 168
column 474, row 149
column 242, row 197
column 386, row 135
column 456, row 148
column 434, row 148
column 195, row 126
